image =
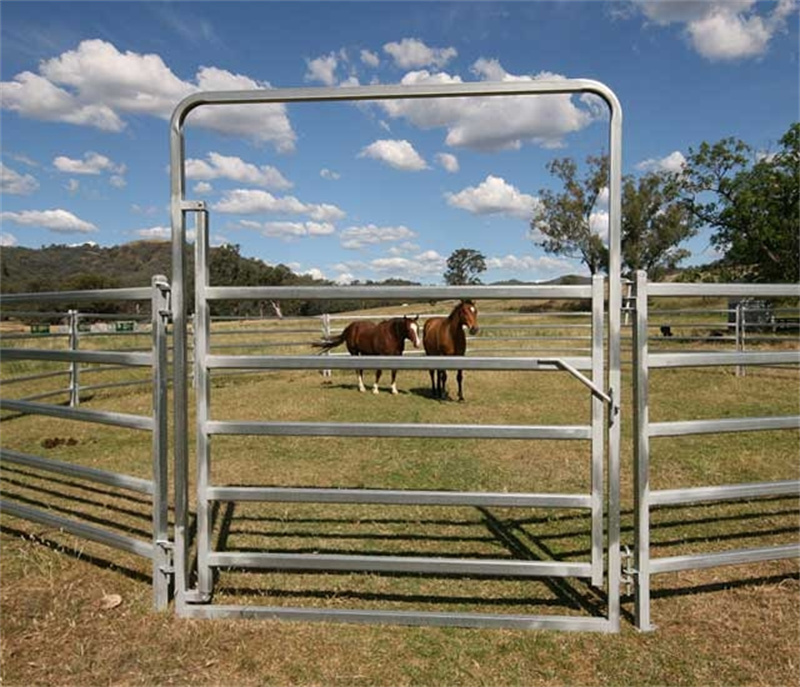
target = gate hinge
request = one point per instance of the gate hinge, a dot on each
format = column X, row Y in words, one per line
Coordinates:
column 628, row 576
column 168, row 548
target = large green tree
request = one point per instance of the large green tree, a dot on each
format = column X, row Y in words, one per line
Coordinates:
column 654, row 220
column 751, row 204
column 463, row 267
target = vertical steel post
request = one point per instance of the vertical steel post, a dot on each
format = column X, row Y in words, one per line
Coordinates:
column 74, row 366
column 614, row 355
column 598, row 435
column 202, row 331
column 641, row 459
column 161, row 543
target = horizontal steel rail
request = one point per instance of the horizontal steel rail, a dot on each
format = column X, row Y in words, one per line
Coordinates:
column 79, row 529
column 733, row 290
column 744, row 424
column 131, row 294
column 712, row 560
column 399, row 430
column 412, row 618
column 377, row 362
column 403, row 293
column 29, row 378
column 725, row 492
column 111, row 479
column 661, row 360
column 139, row 358
column 45, row 394
column 102, row 417
column 399, row 497
column 401, row 564
column 19, row 337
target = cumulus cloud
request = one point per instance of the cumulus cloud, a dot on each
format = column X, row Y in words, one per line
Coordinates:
column 412, row 53
column 322, row 69
column 58, row 220
column 15, row 184
column 219, row 166
column 493, row 196
column 448, row 162
column 360, row 237
column 542, row 267
column 288, row 231
column 723, row 30
column 97, row 85
column 251, row 201
column 674, row 162
column 397, row 154
column 7, row 240
column 329, row 174
column 92, row 163
column 498, row 122
column 371, row 59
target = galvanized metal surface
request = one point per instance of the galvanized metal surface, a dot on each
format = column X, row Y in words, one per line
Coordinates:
column 181, row 207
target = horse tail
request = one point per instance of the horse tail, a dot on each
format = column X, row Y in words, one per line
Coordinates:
column 328, row 344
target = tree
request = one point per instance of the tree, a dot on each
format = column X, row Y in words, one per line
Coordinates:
column 752, row 205
column 654, row 219
column 463, row 267
column 561, row 222
column 654, row 224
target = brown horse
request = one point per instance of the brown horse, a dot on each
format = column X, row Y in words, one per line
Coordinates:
column 367, row 338
column 445, row 336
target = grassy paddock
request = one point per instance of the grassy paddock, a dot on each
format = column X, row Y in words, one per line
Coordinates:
column 721, row 626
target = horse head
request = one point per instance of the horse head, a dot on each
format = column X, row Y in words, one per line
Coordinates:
column 468, row 316
column 412, row 330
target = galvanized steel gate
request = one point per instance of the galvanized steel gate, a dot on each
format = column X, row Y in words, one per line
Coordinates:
column 193, row 598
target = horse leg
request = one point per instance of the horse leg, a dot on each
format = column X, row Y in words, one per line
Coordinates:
column 394, row 383
column 443, row 384
column 459, row 377
column 377, row 379
column 361, row 387
column 434, row 390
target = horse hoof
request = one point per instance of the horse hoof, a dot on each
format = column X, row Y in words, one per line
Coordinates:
column 375, row 390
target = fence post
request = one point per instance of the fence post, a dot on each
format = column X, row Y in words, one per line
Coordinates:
column 74, row 366
column 162, row 547
column 741, row 319
column 641, row 460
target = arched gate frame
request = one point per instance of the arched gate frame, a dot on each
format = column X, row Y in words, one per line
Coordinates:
column 192, row 596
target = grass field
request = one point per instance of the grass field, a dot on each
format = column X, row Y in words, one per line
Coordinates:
column 736, row 625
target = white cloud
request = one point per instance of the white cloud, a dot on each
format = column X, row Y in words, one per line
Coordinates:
column 202, row 187
column 92, row 163
column 72, row 185
column 234, row 168
column 117, row 181
column 7, row 240
column 370, row 59
column 58, row 220
column 96, row 85
column 412, row 53
column 322, row 69
column 315, row 273
column 359, row 237
column 250, row 201
column 287, row 231
column 397, row 154
column 160, row 233
column 493, row 196
column 345, row 278
column 329, row 174
column 448, row 162
column 16, row 184
column 723, row 30
column 674, row 162
column 542, row 267
column 497, row 122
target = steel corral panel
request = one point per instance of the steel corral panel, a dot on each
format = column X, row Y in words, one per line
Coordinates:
column 726, row 492
column 113, row 357
column 399, row 430
column 754, row 290
column 239, row 293
column 745, row 424
column 98, row 416
column 419, row 618
column 111, row 479
column 135, row 294
column 704, row 359
column 712, row 560
column 79, row 529
column 398, row 497
column 377, row 362
column 398, row 564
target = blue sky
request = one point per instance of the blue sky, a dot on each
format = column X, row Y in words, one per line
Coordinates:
column 367, row 191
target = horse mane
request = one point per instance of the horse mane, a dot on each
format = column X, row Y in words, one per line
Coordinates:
column 458, row 307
